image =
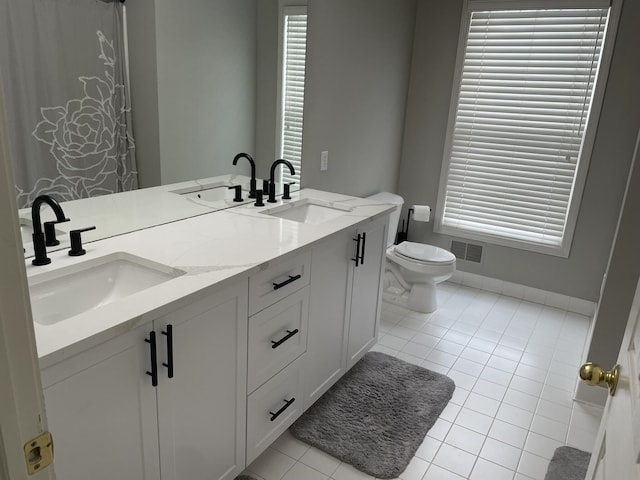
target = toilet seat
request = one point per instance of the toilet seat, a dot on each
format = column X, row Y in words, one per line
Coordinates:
column 428, row 254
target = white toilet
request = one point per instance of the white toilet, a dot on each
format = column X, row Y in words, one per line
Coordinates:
column 416, row 267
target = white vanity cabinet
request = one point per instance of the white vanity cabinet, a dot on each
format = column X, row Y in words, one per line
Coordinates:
column 344, row 305
column 366, row 289
column 109, row 421
column 278, row 334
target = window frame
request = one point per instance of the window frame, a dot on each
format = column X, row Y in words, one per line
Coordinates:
column 583, row 161
column 285, row 8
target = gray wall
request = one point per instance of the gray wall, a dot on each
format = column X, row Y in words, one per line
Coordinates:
column 267, row 85
column 358, row 61
column 193, row 85
column 580, row 275
column 141, row 22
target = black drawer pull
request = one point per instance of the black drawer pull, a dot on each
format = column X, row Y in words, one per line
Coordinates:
column 169, row 334
column 154, row 358
column 364, row 243
column 290, row 333
column 276, row 286
column 285, row 406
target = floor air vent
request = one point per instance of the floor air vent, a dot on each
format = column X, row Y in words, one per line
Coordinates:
column 467, row 251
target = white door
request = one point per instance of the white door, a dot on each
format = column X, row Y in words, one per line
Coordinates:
column 22, row 415
column 617, row 449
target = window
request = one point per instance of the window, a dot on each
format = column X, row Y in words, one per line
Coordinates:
column 522, row 123
column 294, row 49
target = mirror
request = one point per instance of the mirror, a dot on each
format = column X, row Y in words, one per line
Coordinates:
column 203, row 82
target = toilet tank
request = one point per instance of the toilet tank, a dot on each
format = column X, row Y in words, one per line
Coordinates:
column 394, row 216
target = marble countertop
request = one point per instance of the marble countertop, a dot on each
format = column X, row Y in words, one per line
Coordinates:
column 136, row 209
column 214, row 250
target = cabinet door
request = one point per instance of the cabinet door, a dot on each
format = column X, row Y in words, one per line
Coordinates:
column 330, row 287
column 202, row 408
column 366, row 289
column 102, row 412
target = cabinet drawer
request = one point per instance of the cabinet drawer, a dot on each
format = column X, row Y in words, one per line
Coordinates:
column 277, row 281
column 272, row 409
column 277, row 336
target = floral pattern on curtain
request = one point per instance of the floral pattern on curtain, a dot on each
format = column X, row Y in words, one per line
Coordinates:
column 70, row 132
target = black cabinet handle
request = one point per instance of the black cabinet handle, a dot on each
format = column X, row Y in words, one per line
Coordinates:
column 290, row 333
column 169, row 334
column 358, row 240
column 286, row 405
column 364, row 242
column 154, row 358
column 276, row 286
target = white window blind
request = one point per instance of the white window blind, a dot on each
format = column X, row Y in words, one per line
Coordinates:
column 514, row 148
column 293, row 75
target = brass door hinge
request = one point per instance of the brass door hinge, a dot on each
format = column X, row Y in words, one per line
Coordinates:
column 38, row 453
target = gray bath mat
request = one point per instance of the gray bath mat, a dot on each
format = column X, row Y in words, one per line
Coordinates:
column 377, row 415
column 568, row 463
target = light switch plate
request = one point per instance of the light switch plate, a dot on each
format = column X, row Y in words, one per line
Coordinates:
column 324, row 160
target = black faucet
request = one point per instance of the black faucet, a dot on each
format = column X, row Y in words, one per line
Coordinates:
column 272, row 182
column 38, row 236
column 252, row 183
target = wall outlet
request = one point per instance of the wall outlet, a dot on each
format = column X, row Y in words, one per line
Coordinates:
column 324, row 161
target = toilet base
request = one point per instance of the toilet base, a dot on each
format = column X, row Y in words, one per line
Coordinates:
column 422, row 298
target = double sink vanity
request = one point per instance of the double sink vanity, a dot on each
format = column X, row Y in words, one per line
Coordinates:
column 185, row 348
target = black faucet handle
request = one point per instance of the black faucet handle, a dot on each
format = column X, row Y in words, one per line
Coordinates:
column 266, row 187
column 238, row 193
column 286, row 195
column 76, row 241
column 259, row 202
column 50, row 239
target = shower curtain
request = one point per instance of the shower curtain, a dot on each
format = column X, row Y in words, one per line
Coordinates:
column 64, row 72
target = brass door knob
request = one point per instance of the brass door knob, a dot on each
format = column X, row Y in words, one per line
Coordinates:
column 593, row 374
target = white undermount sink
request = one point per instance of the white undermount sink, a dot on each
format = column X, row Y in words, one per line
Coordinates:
column 70, row 291
column 209, row 193
column 308, row 210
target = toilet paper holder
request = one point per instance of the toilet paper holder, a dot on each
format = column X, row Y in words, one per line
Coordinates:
column 402, row 233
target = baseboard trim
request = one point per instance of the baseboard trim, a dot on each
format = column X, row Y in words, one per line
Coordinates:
column 523, row 292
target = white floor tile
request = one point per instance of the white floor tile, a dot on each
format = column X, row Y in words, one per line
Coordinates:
column 481, row 404
column 508, row 433
column 347, row 472
column 549, row 428
column 455, row 460
column 415, row 470
column 541, row 445
column 521, row 400
column 497, row 376
column 474, row 421
column 428, row 448
column 489, row 389
column 438, row 473
column 533, row 466
column 271, row 465
column 514, row 415
column 501, row 453
column 291, row 446
column 484, row 470
column 462, row 380
column 465, row 439
column 300, row 470
column 320, row 461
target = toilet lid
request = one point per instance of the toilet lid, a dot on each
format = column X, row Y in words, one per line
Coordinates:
column 424, row 253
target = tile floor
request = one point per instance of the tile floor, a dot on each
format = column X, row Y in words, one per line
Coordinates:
column 515, row 365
